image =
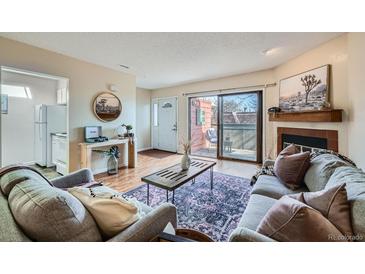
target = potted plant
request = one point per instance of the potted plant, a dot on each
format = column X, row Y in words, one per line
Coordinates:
column 128, row 128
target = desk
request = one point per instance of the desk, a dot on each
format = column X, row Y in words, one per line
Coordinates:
column 87, row 149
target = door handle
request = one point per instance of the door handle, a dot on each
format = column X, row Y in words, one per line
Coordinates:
column 174, row 128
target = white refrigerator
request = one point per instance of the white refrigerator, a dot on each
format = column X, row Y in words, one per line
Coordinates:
column 47, row 120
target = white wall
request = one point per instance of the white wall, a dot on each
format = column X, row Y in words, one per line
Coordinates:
column 143, row 114
column 86, row 81
column 17, row 127
column 356, row 97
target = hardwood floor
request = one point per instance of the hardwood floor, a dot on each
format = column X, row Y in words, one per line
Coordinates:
column 152, row 161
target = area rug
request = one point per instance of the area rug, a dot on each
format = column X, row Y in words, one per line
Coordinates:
column 215, row 213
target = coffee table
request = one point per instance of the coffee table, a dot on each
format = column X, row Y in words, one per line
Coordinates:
column 173, row 177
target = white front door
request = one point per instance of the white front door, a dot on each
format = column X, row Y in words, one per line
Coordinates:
column 165, row 124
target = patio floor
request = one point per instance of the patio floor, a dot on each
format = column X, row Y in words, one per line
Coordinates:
column 241, row 154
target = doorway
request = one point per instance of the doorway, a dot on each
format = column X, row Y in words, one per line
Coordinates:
column 34, row 121
column 227, row 126
column 164, row 124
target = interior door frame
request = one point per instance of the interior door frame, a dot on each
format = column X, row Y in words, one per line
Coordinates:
column 259, row 126
column 153, row 100
column 50, row 76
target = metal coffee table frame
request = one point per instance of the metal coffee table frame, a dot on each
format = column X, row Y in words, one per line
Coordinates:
column 173, row 177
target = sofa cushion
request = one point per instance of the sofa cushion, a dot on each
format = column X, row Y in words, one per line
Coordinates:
column 9, row 230
column 332, row 203
column 290, row 166
column 290, row 220
column 256, row 209
column 111, row 211
column 46, row 213
column 320, row 170
column 354, row 179
column 11, row 178
column 270, row 186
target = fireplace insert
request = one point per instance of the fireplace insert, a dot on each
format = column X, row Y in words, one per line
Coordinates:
column 304, row 143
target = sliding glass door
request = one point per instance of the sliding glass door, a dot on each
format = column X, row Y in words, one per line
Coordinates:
column 240, row 126
column 227, row 126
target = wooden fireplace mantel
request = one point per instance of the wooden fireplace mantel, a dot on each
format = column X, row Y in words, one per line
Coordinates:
column 331, row 115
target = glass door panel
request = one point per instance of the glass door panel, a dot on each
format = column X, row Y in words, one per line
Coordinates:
column 239, row 120
column 203, row 126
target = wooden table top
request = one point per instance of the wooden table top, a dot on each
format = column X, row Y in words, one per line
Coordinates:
column 173, row 177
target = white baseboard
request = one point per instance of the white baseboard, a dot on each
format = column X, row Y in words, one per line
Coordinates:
column 143, row 149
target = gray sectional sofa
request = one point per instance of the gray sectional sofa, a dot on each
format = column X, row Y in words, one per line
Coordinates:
column 326, row 171
column 27, row 198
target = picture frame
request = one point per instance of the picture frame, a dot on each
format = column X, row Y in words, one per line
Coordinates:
column 107, row 106
column 4, row 104
column 306, row 91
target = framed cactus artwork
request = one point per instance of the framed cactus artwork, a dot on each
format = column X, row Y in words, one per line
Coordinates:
column 306, row 91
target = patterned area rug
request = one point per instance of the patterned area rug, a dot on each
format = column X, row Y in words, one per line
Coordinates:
column 215, row 213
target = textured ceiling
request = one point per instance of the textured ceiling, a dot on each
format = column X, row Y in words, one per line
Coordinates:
column 168, row 59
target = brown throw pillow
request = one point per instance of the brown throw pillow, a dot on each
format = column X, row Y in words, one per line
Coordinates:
column 290, row 220
column 333, row 205
column 291, row 166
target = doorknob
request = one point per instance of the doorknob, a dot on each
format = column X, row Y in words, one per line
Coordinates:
column 174, row 127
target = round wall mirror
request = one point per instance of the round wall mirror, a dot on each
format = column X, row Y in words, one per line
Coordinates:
column 107, row 106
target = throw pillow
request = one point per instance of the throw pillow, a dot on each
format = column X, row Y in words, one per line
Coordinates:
column 321, row 169
column 332, row 203
column 12, row 175
column 46, row 213
column 291, row 166
column 354, row 179
column 290, row 220
column 111, row 211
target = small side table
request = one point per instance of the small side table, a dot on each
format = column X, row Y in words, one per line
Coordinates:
column 183, row 235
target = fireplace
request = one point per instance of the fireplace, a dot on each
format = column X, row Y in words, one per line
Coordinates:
column 307, row 139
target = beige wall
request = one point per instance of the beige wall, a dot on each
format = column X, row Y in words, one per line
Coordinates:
column 333, row 52
column 86, row 80
column 356, row 96
column 257, row 78
column 143, row 126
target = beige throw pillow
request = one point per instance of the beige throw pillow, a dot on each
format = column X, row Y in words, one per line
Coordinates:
column 111, row 211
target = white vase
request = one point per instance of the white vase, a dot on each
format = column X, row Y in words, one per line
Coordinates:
column 185, row 162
